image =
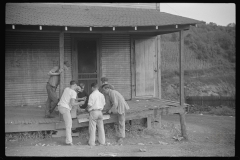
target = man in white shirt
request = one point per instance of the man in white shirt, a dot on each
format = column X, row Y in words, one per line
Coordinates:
column 96, row 103
column 67, row 101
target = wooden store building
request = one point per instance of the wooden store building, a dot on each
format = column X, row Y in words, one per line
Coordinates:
column 120, row 43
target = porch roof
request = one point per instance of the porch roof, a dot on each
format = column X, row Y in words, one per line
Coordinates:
column 85, row 16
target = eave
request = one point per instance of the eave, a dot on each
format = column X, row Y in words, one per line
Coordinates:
column 158, row 30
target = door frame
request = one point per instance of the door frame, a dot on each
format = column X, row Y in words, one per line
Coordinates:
column 75, row 38
column 157, row 76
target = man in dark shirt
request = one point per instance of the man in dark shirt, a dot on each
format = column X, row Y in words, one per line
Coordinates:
column 83, row 96
column 51, row 87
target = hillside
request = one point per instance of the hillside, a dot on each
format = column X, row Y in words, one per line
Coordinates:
column 210, row 56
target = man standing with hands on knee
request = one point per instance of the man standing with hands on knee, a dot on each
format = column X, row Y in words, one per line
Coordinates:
column 107, row 105
column 119, row 107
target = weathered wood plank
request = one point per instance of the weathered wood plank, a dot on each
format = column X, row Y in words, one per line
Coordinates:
column 149, row 122
column 181, row 71
column 183, row 126
column 113, row 118
column 133, row 68
column 140, row 67
column 29, row 127
column 159, row 67
column 181, row 67
column 61, row 61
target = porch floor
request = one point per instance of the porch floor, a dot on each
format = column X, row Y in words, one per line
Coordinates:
column 33, row 116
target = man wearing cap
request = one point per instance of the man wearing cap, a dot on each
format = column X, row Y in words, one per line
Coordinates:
column 107, row 105
column 96, row 103
column 119, row 107
column 51, row 87
column 67, row 101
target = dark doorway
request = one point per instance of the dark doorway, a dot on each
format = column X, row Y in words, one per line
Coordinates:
column 87, row 63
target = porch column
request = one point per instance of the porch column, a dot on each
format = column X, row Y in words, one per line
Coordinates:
column 61, row 61
column 159, row 66
column 181, row 73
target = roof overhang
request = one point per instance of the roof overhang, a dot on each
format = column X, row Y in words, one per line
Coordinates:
column 158, row 30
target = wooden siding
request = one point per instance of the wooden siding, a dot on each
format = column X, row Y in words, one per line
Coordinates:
column 115, row 50
column 67, row 57
column 28, row 58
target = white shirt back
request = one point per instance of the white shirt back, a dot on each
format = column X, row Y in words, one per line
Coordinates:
column 68, row 93
column 96, row 100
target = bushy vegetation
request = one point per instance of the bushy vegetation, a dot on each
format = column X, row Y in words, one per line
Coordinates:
column 206, row 46
column 214, row 110
column 209, row 64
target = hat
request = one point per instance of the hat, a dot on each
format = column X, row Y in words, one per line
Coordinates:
column 106, row 86
column 104, row 79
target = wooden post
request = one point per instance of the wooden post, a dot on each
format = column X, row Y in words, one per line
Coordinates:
column 181, row 71
column 158, row 60
column 74, row 60
column 61, row 61
column 157, row 117
column 159, row 66
column 149, row 121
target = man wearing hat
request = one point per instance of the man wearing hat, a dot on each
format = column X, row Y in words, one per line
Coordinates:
column 51, row 87
column 119, row 107
column 104, row 80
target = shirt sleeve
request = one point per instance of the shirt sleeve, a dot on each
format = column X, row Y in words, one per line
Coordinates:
column 113, row 99
column 103, row 100
column 90, row 100
column 74, row 95
column 54, row 69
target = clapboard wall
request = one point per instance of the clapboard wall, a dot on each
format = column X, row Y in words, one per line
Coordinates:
column 115, row 59
column 28, row 58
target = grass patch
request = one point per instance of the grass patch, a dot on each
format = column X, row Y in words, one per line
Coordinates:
column 215, row 110
column 223, row 110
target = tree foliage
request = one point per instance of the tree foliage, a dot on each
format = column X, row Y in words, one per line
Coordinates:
column 209, row 41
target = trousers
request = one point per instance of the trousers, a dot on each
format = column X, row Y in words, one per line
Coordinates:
column 52, row 99
column 121, row 125
column 68, row 122
column 96, row 119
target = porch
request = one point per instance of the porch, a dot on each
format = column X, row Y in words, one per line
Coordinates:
column 31, row 118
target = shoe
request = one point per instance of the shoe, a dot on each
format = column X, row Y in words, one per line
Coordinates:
column 69, row 144
column 100, row 144
column 120, row 140
column 91, row 144
column 49, row 116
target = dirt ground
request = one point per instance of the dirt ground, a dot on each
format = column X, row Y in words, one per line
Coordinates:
column 208, row 136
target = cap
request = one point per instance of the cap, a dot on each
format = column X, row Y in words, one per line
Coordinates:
column 104, row 79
